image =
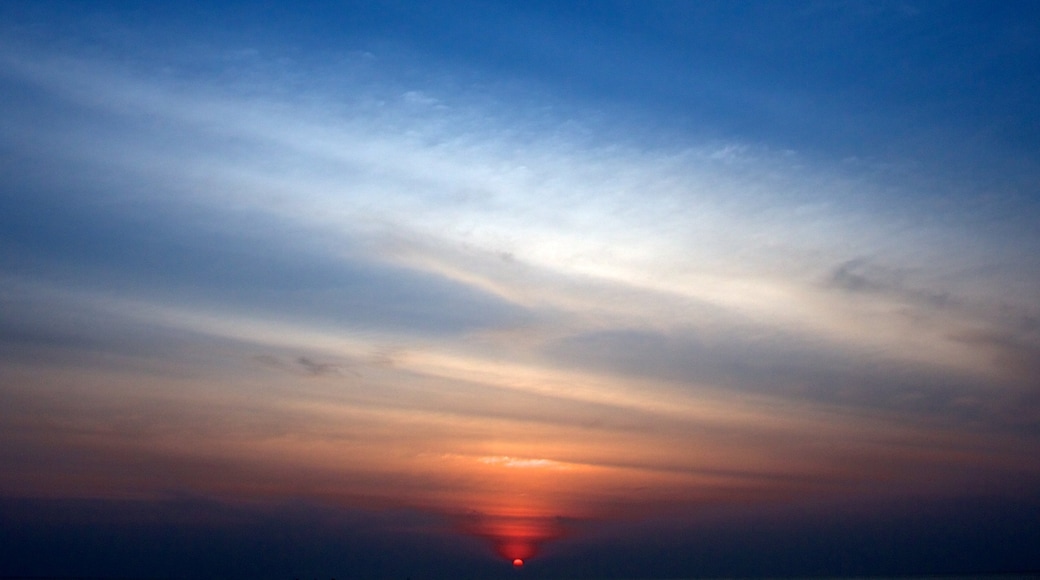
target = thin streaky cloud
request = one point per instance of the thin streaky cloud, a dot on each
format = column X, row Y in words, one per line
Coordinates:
column 524, row 282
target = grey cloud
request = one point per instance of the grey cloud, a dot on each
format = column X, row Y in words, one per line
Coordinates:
column 317, row 369
column 42, row 325
column 1018, row 358
column 120, row 203
column 850, row 276
column 770, row 363
column 1010, row 333
column 1014, row 353
column 235, row 262
column 304, row 365
column 863, row 276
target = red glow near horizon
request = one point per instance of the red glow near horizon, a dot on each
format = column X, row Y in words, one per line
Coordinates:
column 515, row 539
column 518, row 563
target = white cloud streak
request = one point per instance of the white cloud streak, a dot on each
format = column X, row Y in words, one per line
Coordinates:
column 720, row 239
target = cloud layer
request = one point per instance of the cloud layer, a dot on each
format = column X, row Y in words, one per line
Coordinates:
column 256, row 278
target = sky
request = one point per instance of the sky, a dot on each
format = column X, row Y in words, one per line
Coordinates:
column 411, row 290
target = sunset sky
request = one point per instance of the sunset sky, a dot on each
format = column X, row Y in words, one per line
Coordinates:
column 624, row 289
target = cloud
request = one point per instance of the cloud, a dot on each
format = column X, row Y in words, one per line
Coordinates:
column 1016, row 354
column 859, row 275
column 488, row 294
column 317, row 369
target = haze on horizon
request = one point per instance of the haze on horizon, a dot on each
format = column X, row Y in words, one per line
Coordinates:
column 393, row 289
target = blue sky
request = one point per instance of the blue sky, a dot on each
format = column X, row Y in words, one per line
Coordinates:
column 471, row 282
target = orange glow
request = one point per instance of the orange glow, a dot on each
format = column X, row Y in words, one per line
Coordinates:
column 511, row 480
column 515, row 538
column 518, row 563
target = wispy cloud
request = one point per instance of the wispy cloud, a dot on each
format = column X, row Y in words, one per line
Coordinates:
column 409, row 296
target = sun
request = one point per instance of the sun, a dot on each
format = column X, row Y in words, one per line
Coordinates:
column 518, row 563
